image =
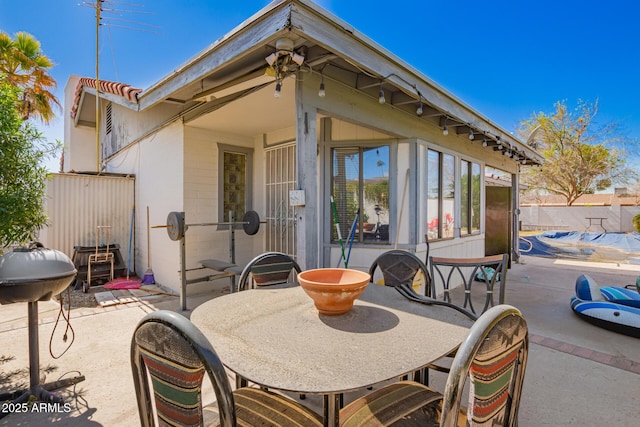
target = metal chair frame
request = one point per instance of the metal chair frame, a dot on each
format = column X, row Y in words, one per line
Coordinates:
column 473, row 267
column 262, row 260
column 400, row 267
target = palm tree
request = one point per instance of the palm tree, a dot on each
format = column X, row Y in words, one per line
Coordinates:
column 23, row 65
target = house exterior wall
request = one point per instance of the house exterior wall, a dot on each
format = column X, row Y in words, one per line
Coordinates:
column 127, row 128
column 201, row 199
column 574, row 218
column 376, row 120
column 81, row 155
column 158, row 164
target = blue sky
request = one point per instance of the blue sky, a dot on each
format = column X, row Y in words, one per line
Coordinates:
column 507, row 59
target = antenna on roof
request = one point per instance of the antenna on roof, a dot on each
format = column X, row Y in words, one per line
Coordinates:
column 108, row 14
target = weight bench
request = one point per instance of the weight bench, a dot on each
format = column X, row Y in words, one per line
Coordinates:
column 223, row 269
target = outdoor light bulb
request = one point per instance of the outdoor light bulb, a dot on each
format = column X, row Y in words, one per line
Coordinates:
column 484, row 142
column 381, row 99
column 506, row 153
column 271, row 58
column 419, row 110
column 471, row 136
column 298, row 59
column 277, row 93
column 321, row 92
column 524, row 161
column 445, row 130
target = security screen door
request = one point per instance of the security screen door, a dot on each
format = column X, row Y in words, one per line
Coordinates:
column 280, row 177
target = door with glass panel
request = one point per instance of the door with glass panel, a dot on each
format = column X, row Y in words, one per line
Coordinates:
column 280, row 178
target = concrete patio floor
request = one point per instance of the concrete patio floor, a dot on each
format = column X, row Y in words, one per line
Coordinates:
column 577, row 374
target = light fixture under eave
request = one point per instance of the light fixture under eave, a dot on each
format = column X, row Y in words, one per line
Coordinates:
column 283, row 62
column 419, row 110
column 471, row 135
column 484, row 141
column 381, row 98
column 321, row 92
column 445, row 130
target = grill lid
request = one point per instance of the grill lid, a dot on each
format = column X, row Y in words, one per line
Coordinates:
column 34, row 264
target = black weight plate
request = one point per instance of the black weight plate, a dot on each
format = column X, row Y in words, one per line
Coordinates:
column 251, row 222
column 175, row 225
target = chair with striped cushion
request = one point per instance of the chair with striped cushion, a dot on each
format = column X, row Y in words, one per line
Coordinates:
column 170, row 358
column 268, row 269
column 493, row 357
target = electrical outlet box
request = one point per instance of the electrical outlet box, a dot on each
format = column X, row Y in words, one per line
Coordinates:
column 296, row 198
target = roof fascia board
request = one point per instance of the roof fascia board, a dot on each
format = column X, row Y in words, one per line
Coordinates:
column 117, row 99
column 254, row 32
column 316, row 24
column 111, row 97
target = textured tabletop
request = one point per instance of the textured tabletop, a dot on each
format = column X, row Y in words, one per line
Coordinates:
column 277, row 338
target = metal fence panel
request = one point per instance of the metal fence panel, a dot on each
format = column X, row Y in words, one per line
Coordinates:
column 77, row 204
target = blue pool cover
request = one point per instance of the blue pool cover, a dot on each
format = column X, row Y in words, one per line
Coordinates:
column 574, row 244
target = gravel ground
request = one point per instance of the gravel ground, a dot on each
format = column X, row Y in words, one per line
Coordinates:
column 79, row 298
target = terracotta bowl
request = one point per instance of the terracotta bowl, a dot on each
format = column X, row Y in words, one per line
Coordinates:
column 333, row 290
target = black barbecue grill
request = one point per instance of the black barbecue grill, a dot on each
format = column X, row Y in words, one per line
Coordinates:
column 30, row 275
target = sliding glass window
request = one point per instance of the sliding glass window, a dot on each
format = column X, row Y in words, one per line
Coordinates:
column 440, row 195
column 360, row 190
column 469, row 198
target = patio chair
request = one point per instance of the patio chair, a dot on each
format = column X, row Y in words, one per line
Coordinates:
column 493, row 357
column 398, row 267
column 490, row 270
column 268, row 269
column 169, row 360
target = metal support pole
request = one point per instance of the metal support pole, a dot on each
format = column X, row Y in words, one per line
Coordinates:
column 331, row 408
column 34, row 346
column 183, row 273
column 232, row 238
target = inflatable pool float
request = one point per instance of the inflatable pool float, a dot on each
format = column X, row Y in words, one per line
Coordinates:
column 610, row 307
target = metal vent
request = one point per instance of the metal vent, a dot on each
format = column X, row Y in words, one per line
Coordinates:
column 108, row 119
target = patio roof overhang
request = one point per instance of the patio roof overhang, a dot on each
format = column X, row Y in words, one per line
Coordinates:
column 234, row 66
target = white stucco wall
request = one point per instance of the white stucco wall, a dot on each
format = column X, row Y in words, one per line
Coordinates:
column 574, row 218
column 81, row 156
column 157, row 162
column 201, row 200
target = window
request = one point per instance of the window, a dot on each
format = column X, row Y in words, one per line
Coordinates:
column 469, row 198
column 440, row 195
column 235, row 181
column 360, row 190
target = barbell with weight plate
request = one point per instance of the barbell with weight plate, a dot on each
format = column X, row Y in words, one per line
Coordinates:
column 176, row 225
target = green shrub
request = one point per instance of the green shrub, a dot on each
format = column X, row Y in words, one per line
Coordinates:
column 636, row 223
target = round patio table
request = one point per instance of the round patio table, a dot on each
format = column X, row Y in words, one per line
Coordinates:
column 276, row 338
